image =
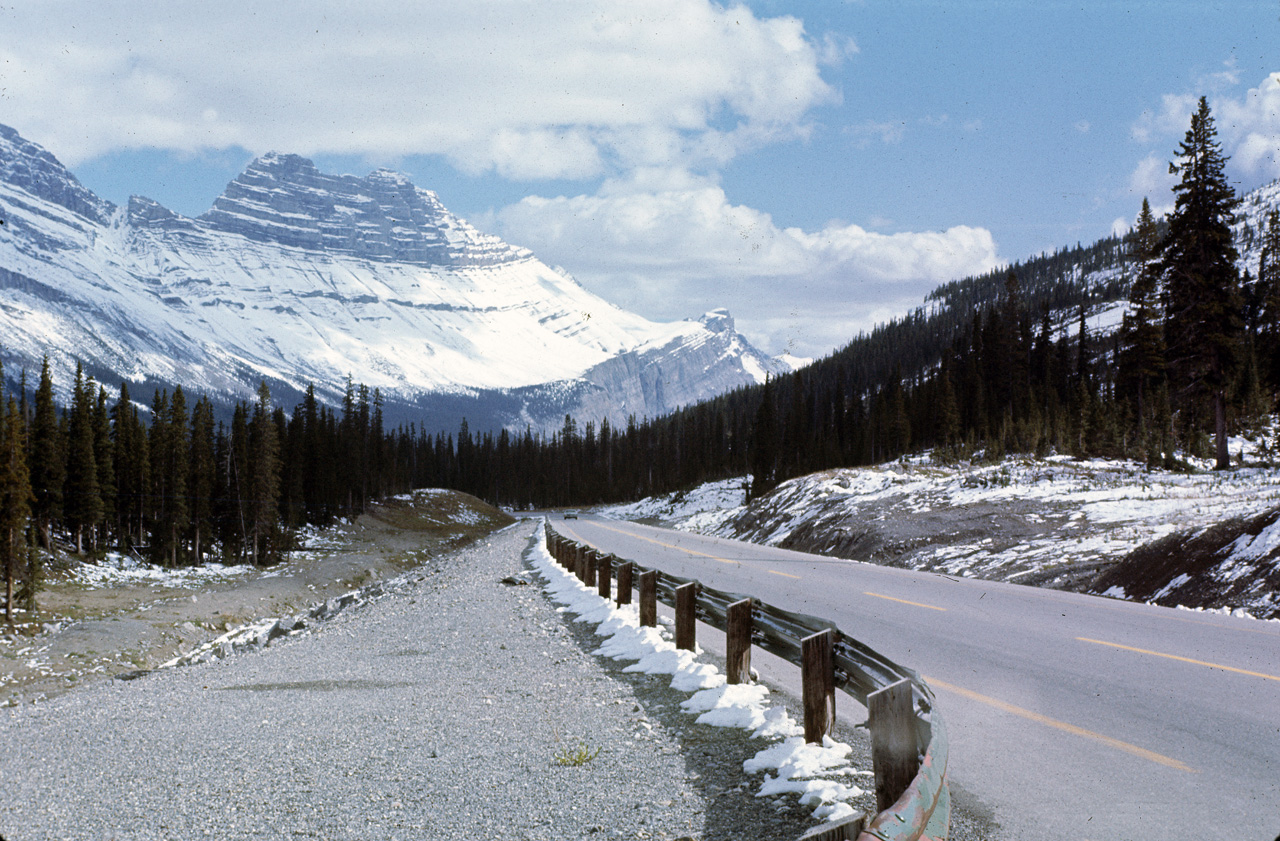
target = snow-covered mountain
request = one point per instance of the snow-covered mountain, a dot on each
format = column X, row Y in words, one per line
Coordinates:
column 296, row 276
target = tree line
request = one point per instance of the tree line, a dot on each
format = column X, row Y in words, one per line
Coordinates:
column 983, row 370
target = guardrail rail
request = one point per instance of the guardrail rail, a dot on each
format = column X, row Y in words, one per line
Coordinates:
column 908, row 736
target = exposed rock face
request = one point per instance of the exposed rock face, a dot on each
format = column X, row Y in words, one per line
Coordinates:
column 298, row 277
column 28, row 167
column 284, row 199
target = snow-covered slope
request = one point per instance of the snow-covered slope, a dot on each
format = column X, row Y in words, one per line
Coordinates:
column 297, row 277
column 1202, row 539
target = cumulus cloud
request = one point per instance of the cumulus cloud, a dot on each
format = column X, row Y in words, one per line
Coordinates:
column 675, row 251
column 1250, row 127
column 528, row 90
column 1248, row 131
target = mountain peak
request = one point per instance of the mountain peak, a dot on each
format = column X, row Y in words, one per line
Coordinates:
column 285, row 199
column 33, row 168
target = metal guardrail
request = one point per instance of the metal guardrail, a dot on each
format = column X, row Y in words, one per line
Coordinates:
column 918, row 809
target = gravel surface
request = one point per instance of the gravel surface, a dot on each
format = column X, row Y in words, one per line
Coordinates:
column 441, row 710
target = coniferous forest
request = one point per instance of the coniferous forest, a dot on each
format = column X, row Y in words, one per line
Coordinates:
column 981, row 370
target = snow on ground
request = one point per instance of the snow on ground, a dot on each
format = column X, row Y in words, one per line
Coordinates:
column 1054, row 521
column 819, row 774
column 117, row 569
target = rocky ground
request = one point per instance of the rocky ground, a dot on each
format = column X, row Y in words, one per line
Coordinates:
column 92, row 625
column 450, row 700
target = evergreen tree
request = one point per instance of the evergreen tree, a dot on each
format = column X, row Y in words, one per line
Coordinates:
column 265, row 477
column 15, row 498
column 81, row 494
column 104, row 459
column 46, row 458
column 201, row 477
column 1201, row 283
column 764, row 444
column 1268, row 284
column 1141, row 337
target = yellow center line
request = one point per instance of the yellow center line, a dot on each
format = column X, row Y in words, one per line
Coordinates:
column 1152, row 756
column 904, row 601
column 1183, row 659
column 667, row 545
column 685, row 550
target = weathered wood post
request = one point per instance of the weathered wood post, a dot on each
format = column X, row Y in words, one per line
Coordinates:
column 649, row 598
column 579, row 552
column 687, row 616
column 625, row 571
column 604, row 576
column 737, row 642
column 589, row 567
column 895, row 755
column 817, row 677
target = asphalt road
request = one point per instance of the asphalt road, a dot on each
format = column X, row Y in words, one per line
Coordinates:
column 1070, row 716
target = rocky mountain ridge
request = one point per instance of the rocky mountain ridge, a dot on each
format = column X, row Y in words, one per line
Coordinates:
column 295, row 276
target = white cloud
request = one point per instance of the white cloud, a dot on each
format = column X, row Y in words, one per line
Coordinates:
column 529, row 90
column 1250, row 128
column 1248, row 131
column 677, row 251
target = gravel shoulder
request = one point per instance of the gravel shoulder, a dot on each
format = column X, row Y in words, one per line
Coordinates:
column 441, row 709
column 85, row 633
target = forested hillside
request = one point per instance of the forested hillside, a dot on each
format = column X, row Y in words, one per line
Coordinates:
column 1001, row 363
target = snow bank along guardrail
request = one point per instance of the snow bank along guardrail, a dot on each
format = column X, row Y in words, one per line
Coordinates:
column 908, row 738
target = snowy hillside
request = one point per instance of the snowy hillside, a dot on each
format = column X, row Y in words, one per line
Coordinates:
column 1054, row 522
column 296, row 276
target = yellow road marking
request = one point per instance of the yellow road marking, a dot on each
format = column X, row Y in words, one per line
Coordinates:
column 667, row 545
column 1063, row 726
column 686, row 551
column 1183, row 659
column 904, row 601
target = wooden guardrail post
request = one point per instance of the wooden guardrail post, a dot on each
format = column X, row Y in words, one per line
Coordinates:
column 579, row 552
column 737, row 642
column 589, row 567
column 604, row 575
column 894, row 755
column 625, row 570
column 817, row 677
column 648, row 581
column 687, row 616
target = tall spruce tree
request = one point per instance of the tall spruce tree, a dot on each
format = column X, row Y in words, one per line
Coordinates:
column 265, row 476
column 1141, row 334
column 82, row 497
column 15, row 497
column 46, row 458
column 1203, row 322
column 1269, row 290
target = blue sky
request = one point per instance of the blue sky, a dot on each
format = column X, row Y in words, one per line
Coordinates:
column 814, row 167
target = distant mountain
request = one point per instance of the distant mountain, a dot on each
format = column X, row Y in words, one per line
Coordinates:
column 296, row 276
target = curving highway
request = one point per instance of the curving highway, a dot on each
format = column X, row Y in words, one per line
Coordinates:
column 1070, row 716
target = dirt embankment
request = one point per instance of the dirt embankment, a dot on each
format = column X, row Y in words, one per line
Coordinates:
column 84, row 632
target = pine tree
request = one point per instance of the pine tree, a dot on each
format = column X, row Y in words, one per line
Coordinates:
column 764, row 444
column 46, row 458
column 265, row 472
column 104, row 458
column 1141, row 336
column 201, row 477
column 15, row 498
column 1201, row 283
column 1268, row 284
column 81, row 494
